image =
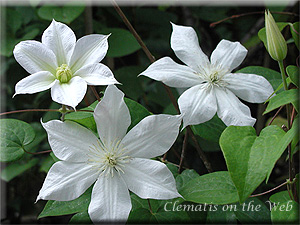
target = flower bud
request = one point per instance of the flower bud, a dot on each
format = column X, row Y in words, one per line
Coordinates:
column 63, row 73
column 277, row 46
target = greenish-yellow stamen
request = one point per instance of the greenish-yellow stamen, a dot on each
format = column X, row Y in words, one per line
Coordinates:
column 64, row 73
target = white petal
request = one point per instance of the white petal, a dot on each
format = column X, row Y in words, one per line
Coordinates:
column 70, row 93
column 69, row 141
column 249, row 87
column 172, row 73
column 66, row 181
column 34, row 83
column 61, row 40
column 197, row 105
column 34, row 57
column 153, row 136
column 110, row 201
column 231, row 110
column 184, row 42
column 150, row 179
column 228, row 55
column 88, row 50
column 112, row 116
column 96, row 74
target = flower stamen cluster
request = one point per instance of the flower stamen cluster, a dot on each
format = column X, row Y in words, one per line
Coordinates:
column 64, row 73
column 108, row 159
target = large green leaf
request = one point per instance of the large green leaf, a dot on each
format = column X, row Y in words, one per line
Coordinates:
column 272, row 76
column 212, row 188
column 282, row 196
column 81, row 218
column 58, row 208
column 210, row 130
column 220, row 216
column 15, row 135
column 250, row 158
column 294, row 73
column 283, row 98
column 282, row 144
column 285, row 213
column 15, row 169
column 121, row 42
column 253, row 211
column 65, row 14
column 163, row 211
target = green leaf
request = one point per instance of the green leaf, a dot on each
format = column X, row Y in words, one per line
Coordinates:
column 137, row 112
column 14, row 136
column 283, row 98
column 249, row 158
column 58, row 208
column 121, row 42
column 285, row 213
column 15, row 169
column 295, row 33
column 162, row 211
column 284, row 142
column 81, row 218
column 294, row 73
column 127, row 76
column 210, row 130
column 220, row 216
column 46, row 164
column 272, row 76
column 183, row 178
column 84, row 118
column 263, row 36
column 253, row 211
column 282, row 196
column 212, row 188
column 64, row 14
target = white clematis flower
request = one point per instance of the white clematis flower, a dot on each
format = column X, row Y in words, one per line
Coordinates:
column 62, row 64
column 212, row 88
column 117, row 162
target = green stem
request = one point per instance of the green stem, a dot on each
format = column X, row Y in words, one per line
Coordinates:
column 288, row 111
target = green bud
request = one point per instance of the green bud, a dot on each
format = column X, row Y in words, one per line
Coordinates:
column 63, row 73
column 277, row 46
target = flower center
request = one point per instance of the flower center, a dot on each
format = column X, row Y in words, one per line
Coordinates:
column 64, row 73
column 108, row 158
column 214, row 78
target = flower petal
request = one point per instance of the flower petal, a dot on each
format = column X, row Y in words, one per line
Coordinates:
column 150, row 179
column 197, row 105
column 231, row 110
column 34, row 83
column 66, row 181
column 69, row 93
column 172, row 73
column 34, row 57
column 153, row 136
column 249, row 87
column 61, row 40
column 184, row 42
column 110, row 201
column 228, row 55
column 88, row 50
column 112, row 116
column 96, row 74
column 69, row 141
